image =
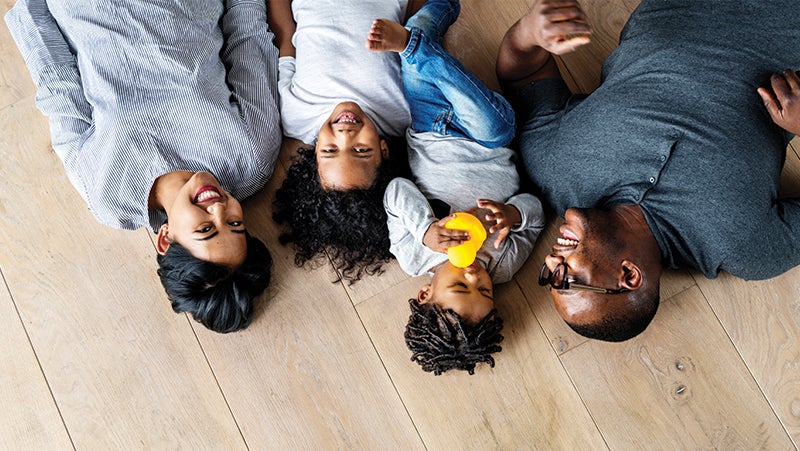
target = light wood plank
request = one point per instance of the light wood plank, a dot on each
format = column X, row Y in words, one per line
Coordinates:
column 123, row 368
column 679, row 385
column 475, row 37
column 525, row 402
column 15, row 81
column 763, row 320
column 305, row 375
column 561, row 336
column 30, row 418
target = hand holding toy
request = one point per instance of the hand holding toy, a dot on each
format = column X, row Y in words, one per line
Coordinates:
column 464, row 254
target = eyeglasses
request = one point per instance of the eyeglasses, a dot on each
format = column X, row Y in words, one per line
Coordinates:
column 559, row 281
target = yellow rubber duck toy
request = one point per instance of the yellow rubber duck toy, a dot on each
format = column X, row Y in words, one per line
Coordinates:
column 464, row 254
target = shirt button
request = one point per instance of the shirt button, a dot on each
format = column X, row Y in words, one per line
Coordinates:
column 652, row 179
column 663, row 158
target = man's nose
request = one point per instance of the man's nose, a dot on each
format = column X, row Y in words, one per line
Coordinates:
column 553, row 260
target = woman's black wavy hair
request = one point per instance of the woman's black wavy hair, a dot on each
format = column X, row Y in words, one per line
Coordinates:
column 218, row 297
column 348, row 225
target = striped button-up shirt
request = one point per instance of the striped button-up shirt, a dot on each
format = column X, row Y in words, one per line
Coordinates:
column 134, row 90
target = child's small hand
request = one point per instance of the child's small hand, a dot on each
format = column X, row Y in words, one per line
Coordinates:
column 503, row 216
column 437, row 238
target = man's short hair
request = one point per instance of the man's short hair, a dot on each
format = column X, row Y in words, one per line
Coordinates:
column 217, row 296
column 625, row 324
column 440, row 340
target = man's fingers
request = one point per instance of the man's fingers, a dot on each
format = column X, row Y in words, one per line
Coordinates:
column 792, row 80
column 779, row 86
column 770, row 103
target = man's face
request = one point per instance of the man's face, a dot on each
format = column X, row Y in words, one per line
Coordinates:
column 466, row 291
column 589, row 247
column 349, row 149
column 208, row 222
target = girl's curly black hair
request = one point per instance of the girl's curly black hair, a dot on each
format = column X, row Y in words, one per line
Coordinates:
column 348, row 225
column 440, row 340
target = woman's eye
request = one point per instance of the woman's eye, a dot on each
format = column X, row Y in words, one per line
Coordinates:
column 235, row 223
column 205, row 229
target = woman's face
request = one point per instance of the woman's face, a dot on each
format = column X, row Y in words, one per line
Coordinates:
column 207, row 221
column 349, row 149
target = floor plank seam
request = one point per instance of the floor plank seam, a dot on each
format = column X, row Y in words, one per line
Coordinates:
column 38, row 362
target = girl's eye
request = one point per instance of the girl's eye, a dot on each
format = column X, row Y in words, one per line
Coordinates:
column 327, row 150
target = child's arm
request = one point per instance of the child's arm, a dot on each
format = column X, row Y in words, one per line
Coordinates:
column 519, row 243
column 409, row 217
column 282, row 23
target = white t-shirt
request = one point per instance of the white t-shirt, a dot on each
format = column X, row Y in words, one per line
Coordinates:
column 332, row 65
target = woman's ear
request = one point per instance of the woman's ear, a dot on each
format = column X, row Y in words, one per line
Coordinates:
column 632, row 277
column 384, row 149
column 163, row 241
column 424, row 294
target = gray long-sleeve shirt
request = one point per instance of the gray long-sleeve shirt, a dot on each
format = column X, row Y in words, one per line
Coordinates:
column 678, row 128
column 134, row 90
column 458, row 171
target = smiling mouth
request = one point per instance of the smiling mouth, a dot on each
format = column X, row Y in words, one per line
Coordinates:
column 207, row 194
column 347, row 118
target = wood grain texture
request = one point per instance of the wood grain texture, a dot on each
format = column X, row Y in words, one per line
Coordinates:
column 305, row 375
column 324, row 365
column 762, row 319
column 525, row 402
column 678, row 385
column 123, row 368
column 30, row 418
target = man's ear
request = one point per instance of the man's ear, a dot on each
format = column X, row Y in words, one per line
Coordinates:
column 163, row 241
column 384, row 149
column 424, row 294
column 632, row 277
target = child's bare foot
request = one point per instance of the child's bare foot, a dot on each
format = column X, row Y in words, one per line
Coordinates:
column 387, row 36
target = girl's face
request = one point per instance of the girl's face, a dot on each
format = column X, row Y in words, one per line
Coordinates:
column 349, row 149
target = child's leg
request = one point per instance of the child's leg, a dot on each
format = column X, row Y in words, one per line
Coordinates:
column 444, row 97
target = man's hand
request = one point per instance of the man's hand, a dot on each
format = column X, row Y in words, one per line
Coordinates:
column 438, row 239
column 783, row 101
column 503, row 216
column 559, row 26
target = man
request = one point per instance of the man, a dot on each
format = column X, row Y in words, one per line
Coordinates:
column 673, row 161
column 164, row 113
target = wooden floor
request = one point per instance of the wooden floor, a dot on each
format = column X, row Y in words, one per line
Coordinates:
column 94, row 358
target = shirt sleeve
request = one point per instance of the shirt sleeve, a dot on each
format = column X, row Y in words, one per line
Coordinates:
column 251, row 60
column 519, row 244
column 59, row 90
column 409, row 215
